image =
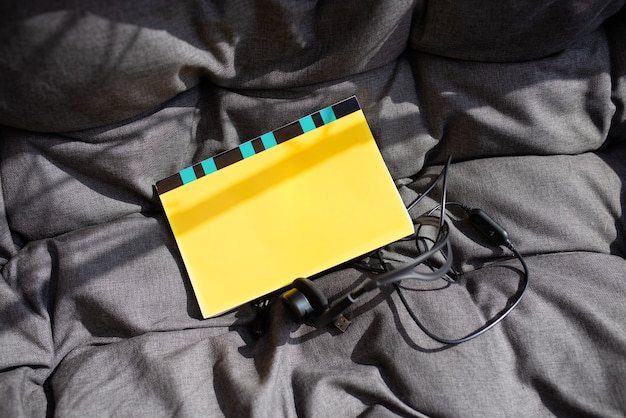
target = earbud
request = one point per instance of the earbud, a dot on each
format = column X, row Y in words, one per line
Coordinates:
column 305, row 302
column 304, row 299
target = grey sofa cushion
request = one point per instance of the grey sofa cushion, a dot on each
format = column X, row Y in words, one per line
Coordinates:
column 506, row 31
column 96, row 312
column 69, row 68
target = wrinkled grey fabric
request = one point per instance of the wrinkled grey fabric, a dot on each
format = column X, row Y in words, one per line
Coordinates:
column 100, row 101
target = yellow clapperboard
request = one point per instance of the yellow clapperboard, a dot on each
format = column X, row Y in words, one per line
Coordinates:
column 291, row 203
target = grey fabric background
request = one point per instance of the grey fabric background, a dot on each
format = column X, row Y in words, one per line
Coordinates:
column 480, row 30
column 97, row 103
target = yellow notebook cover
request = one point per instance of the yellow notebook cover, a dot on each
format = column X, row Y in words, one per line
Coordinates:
column 291, row 203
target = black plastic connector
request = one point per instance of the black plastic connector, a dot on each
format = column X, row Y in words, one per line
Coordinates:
column 488, row 227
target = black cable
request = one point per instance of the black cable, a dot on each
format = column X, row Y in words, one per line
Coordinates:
column 407, row 271
column 444, row 192
column 484, row 224
column 448, row 204
column 431, row 187
column 488, row 325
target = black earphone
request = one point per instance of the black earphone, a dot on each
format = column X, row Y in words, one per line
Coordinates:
column 307, row 303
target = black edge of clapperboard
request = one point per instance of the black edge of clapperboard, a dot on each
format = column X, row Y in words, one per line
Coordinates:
column 282, row 134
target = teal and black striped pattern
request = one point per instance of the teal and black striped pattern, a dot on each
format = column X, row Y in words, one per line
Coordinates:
column 260, row 144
